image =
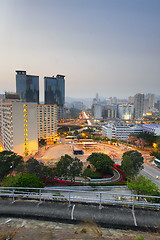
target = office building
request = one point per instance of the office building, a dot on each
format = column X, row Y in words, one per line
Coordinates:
column 18, row 127
column 119, row 131
column 54, row 88
column 152, row 128
column 27, row 86
column 138, row 106
column 47, row 122
column 54, row 93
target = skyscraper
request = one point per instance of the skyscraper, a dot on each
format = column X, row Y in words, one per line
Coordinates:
column 54, row 88
column 138, row 106
column 27, row 86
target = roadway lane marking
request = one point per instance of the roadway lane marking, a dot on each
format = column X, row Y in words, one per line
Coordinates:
column 72, row 211
column 134, row 218
column 144, row 170
column 8, row 220
column 23, row 223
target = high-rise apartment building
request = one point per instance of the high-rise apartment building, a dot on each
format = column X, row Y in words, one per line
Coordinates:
column 54, row 93
column 125, row 112
column 47, row 122
column 18, row 127
column 138, row 106
column 27, row 86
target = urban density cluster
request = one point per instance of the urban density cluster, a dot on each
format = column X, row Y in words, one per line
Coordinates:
column 24, row 120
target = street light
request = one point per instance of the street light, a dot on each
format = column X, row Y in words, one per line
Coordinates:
column 155, row 145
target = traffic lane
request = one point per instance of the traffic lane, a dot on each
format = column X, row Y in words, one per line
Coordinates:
column 95, row 195
column 151, row 173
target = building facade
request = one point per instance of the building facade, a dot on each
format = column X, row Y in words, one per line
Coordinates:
column 119, row 131
column 54, row 88
column 47, row 122
column 125, row 112
column 54, row 93
column 18, row 127
column 138, row 106
column 27, row 86
column 152, row 128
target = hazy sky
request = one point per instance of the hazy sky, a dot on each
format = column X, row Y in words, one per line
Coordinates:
column 107, row 46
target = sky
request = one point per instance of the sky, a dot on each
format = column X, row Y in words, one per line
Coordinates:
column 110, row 47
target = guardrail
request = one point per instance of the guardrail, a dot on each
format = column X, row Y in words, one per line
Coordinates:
column 70, row 196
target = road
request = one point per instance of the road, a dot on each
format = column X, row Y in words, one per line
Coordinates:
column 151, row 173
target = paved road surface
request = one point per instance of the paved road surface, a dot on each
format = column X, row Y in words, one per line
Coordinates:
column 151, row 173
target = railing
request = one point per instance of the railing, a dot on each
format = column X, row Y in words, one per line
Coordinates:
column 60, row 194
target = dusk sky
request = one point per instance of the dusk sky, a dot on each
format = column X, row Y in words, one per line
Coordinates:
column 107, row 46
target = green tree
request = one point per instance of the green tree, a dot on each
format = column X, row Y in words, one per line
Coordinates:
column 68, row 167
column 132, row 163
column 9, row 161
column 149, row 138
column 76, row 133
column 42, row 142
column 155, row 154
column 102, row 162
column 33, row 166
column 144, row 186
column 89, row 173
column 23, row 180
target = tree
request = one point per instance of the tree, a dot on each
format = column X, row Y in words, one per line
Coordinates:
column 33, row 166
column 68, row 167
column 144, row 186
column 149, row 138
column 23, row 180
column 89, row 173
column 102, row 162
column 42, row 142
column 75, row 168
column 9, row 161
column 76, row 133
column 155, row 154
column 141, row 142
column 132, row 163
column 131, row 139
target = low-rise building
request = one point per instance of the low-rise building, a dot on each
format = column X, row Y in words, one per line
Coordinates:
column 119, row 131
column 152, row 128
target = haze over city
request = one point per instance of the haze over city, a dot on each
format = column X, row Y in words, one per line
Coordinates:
column 109, row 47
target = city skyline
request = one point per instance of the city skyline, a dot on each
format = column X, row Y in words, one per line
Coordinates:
column 109, row 47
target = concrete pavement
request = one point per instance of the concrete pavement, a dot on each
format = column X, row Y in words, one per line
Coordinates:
column 109, row 216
